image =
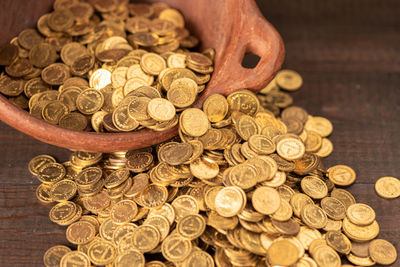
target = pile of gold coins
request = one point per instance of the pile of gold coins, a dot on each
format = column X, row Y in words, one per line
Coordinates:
column 240, row 186
column 106, row 66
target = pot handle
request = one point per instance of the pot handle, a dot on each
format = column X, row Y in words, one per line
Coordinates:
column 252, row 33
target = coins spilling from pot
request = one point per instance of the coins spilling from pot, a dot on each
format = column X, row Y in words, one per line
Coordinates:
column 243, row 185
column 106, row 66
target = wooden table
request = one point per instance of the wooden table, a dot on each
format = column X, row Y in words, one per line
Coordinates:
column 348, row 53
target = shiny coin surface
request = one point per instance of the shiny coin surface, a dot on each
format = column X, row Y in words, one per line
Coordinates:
column 382, row 252
column 388, row 187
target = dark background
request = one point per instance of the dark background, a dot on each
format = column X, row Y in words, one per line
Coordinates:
column 348, row 52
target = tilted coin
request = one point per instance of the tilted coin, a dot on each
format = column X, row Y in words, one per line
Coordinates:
column 282, row 252
column 290, row 148
column 360, row 214
column 37, row 162
column 382, row 252
column 388, row 187
column 338, row 241
column 75, row 258
column 229, row 201
column 80, row 232
column 161, row 109
column 266, row 200
column 341, row 175
column 288, row 80
column 194, row 122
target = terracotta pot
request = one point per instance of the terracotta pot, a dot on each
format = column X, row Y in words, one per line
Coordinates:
column 231, row 27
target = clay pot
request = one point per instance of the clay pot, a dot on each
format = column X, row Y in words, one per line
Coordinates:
column 232, row 27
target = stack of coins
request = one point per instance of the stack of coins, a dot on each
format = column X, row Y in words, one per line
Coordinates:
column 238, row 187
column 106, row 66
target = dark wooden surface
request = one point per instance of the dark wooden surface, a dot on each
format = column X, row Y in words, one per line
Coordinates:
column 348, row 52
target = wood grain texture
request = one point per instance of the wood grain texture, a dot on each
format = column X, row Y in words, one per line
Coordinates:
column 348, row 54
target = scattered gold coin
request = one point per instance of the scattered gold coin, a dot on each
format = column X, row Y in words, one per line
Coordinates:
column 238, row 179
column 388, row 187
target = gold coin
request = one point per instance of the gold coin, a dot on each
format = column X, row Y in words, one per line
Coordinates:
column 89, row 177
column 123, row 211
column 360, row 214
column 338, row 241
column 56, row 74
column 100, row 79
column 107, row 229
column 80, row 232
column 175, row 153
column 71, row 51
column 284, row 212
column 343, row 196
column 63, row 211
column 159, row 222
column 10, row 86
column 266, row 200
column 382, row 252
column 326, row 148
column 360, row 249
column 53, row 111
column 314, row 216
column 194, row 122
column 74, row 121
column 320, row 125
column 63, row 190
column 360, row 233
column 282, row 252
column 137, row 108
column 172, row 74
column 161, row 109
column 326, row 256
column 153, row 196
column 230, row 201
column 290, row 148
column 75, row 258
column 130, row 258
column 333, row 207
column 298, row 201
column 341, row 175
column 313, row 142
column 199, row 258
column 122, row 120
column 246, row 126
column 102, row 252
column 89, row 101
column 145, row 238
column 388, row 187
column 182, row 92
column 184, row 205
column 307, row 235
column 289, row 80
column 38, row 162
column 314, row 187
column 204, row 169
column 43, row 193
column 152, row 63
column 52, row 256
column 51, row 173
column 244, row 101
column 360, row 261
column 216, row 107
column 261, row 144
column 176, row 60
column 176, row 248
column 191, row 226
column 243, row 175
column 165, row 210
column 42, row 55
column 121, row 231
